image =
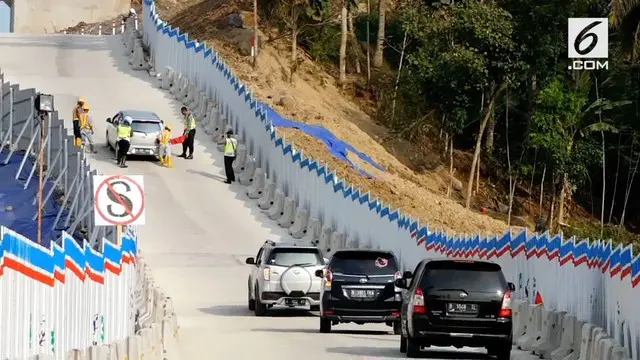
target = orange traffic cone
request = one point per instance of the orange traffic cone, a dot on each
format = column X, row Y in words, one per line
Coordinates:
column 539, row 300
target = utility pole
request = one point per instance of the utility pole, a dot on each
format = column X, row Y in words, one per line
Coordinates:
column 43, row 117
column 255, row 34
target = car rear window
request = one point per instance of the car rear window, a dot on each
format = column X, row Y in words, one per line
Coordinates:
column 147, row 127
column 364, row 263
column 468, row 276
column 290, row 257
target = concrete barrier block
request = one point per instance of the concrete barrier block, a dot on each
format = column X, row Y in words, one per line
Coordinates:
column 353, row 241
column 567, row 338
column 324, row 242
column 276, row 210
column 552, row 336
column 137, row 60
column 619, row 353
column 190, row 95
column 76, row 355
column 170, row 338
column 241, row 158
column 255, row 189
column 102, row 352
column 586, row 336
column 42, row 357
column 247, row 177
column 589, row 336
column 288, row 215
column 202, row 106
column 177, row 83
column 597, row 345
column 134, row 348
column 534, row 320
column 167, row 78
column 214, row 121
column 606, row 348
column 544, row 327
column 144, row 343
column 184, row 89
column 268, row 195
column 520, row 313
column 299, row 227
column 249, row 167
column 313, row 232
column 156, row 341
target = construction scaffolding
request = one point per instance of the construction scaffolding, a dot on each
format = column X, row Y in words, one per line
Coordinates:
column 67, row 198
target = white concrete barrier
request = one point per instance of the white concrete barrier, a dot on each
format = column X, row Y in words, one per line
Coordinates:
column 190, row 95
column 288, row 216
column 520, row 314
column 324, row 242
column 256, row 187
column 337, row 242
column 137, row 60
column 249, row 170
column 276, row 210
column 183, row 90
column 299, row 227
column 268, row 195
column 567, row 338
column 247, row 177
column 314, row 228
column 534, row 321
column 241, row 158
column 212, row 126
column 166, row 78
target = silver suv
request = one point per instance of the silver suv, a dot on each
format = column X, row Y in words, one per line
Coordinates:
column 283, row 275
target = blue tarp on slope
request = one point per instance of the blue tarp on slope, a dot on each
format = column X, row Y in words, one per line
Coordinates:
column 337, row 147
column 16, row 203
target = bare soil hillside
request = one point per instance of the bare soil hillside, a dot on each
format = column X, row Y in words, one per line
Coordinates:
column 414, row 180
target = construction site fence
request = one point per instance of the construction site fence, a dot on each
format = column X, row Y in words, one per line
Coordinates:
column 593, row 279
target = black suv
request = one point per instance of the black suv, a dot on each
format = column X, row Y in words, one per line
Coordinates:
column 359, row 287
column 456, row 303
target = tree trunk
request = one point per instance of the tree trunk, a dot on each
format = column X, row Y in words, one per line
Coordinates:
column 563, row 194
column 615, row 183
column 255, row 34
column 553, row 204
column 544, row 174
column 294, row 43
column 512, row 183
column 489, row 140
column 354, row 44
column 368, row 42
column 451, row 172
column 395, row 90
column 476, row 154
column 378, row 56
column 604, row 186
column 344, row 34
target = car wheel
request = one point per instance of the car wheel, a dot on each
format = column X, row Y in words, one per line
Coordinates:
column 260, row 308
column 413, row 349
column 397, row 328
column 325, row 325
column 403, row 344
column 251, row 302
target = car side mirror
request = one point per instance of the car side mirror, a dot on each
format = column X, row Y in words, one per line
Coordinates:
column 250, row 261
column 407, row 275
column 319, row 273
column 108, row 120
column 512, row 286
column 400, row 283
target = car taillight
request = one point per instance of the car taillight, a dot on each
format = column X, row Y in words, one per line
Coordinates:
column 328, row 278
column 505, row 309
column 266, row 274
column 396, row 276
column 418, row 302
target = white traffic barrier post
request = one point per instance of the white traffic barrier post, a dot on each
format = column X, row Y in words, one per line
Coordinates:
column 113, row 28
column 246, row 177
column 299, row 227
column 288, row 213
column 314, row 228
column 275, row 211
column 325, row 238
column 82, row 30
column 100, row 29
column 255, row 189
column 241, row 159
column 338, row 241
column 122, row 27
column 137, row 60
column 268, row 194
column 534, row 320
column 135, row 17
column 520, row 313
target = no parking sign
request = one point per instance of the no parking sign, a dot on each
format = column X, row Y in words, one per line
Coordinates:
column 118, row 200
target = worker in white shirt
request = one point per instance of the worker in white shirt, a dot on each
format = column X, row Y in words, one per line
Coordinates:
column 230, row 153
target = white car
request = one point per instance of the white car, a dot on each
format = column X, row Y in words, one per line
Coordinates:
column 283, row 275
column 146, row 126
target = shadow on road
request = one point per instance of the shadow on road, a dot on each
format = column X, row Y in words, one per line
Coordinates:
column 313, row 331
column 207, row 175
column 243, row 311
column 392, row 352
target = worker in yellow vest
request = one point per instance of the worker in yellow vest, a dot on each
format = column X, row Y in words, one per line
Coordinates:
column 189, row 133
column 77, row 111
column 125, row 133
column 86, row 128
column 164, row 142
column 230, row 153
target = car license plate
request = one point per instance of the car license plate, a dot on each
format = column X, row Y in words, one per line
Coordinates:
column 457, row 308
column 295, row 302
column 363, row 294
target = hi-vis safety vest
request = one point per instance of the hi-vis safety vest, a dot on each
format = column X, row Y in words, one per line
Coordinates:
column 124, row 132
column 84, row 121
column 165, row 138
column 189, row 122
column 230, row 147
column 77, row 111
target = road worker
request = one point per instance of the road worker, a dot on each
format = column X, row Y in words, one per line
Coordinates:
column 125, row 132
column 86, row 128
column 164, row 141
column 189, row 133
column 77, row 111
column 230, row 153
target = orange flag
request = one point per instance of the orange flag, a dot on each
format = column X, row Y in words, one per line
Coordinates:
column 539, row 298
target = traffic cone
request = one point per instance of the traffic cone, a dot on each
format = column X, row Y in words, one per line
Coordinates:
column 538, row 300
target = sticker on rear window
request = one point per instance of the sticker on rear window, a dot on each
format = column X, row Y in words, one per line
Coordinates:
column 382, row 262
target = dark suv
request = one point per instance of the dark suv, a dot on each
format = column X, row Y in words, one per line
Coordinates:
column 456, row 303
column 358, row 286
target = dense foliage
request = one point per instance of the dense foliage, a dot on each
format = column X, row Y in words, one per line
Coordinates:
column 493, row 76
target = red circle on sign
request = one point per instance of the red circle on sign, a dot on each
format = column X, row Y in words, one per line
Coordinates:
column 134, row 217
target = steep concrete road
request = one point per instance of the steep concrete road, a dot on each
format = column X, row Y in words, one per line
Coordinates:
column 199, row 230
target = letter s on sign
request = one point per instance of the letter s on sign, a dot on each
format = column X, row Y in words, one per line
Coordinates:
column 121, row 200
